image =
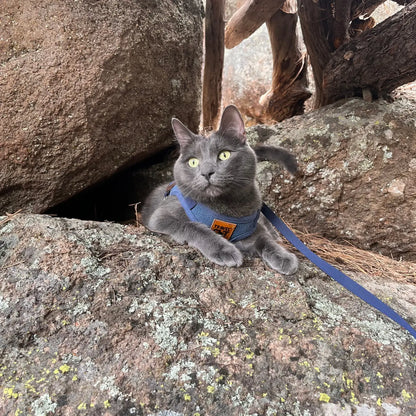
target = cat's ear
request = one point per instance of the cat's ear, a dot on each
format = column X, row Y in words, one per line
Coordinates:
column 182, row 133
column 232, row 123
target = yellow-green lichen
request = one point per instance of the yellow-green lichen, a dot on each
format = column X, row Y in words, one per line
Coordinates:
column 406, row 396
column 354, row 399
column 64, row 368
column 10, row 393
column 82, row 406
column 210, row 389
column 324, row 398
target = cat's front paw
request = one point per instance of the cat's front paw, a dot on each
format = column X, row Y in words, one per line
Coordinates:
column 225, row 255
column 290, row 264
column 285, row 263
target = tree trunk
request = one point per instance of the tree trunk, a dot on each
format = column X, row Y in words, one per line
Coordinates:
column 344, row 67
column 214, row 63
column 345, row 62
column 289, row 91
column 379, row 60
column 403, row 2
column 341, row 22
column 314, row 23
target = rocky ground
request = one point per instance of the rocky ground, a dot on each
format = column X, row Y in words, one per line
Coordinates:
column 105, row 319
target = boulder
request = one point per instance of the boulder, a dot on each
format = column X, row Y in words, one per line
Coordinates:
column 247, row 74
column 88, row 88
column 357, row 166
column 105, row 319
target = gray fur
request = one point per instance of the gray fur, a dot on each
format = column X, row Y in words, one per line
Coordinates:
column 277, row 154
column 226, row 186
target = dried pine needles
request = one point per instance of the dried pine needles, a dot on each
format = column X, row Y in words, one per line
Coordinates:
column 8, row 217
column 348, row 257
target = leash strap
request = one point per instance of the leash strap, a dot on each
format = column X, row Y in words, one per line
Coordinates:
column 334, row 273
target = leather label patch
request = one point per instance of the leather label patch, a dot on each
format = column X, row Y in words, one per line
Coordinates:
column 224, row 228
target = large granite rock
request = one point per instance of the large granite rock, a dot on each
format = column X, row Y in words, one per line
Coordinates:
column 247, row 74
column 357, row 167
column 88, row 88
column 104, row 319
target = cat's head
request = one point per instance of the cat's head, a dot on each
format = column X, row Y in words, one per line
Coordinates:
column 217, row 166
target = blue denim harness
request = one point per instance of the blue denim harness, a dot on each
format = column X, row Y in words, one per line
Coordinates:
column 231, row 228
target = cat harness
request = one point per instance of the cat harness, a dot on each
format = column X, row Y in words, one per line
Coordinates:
column 231, row 228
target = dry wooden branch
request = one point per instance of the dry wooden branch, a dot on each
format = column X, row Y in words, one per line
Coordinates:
column 364, row 7
column 9, row 217
column 312, row 18
column 214, row 63
column 248, row 18
column 380, row 59
column 289, row 90
column 341, row 22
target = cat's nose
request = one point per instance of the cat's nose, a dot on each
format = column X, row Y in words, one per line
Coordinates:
column 207, row 175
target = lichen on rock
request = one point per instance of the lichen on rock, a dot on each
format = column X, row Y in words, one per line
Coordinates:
column 164, row 331
column 356, row 178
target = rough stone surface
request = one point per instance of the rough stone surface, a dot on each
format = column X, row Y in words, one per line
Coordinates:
column 357, row 162
column 104, row 319
column 248, row 74
column 89, row 87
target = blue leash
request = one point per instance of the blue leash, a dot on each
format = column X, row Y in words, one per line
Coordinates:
column 334, row 273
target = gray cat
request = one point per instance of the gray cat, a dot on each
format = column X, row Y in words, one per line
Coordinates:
column 214, row 204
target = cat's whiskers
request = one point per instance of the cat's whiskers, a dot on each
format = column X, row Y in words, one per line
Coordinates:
column 186, row 189
column 236, row 182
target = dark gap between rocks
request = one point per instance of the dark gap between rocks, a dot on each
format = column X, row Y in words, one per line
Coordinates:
column 113, row 199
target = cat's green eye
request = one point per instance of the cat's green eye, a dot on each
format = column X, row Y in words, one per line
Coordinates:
column 193, row 162
column 224, row 155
